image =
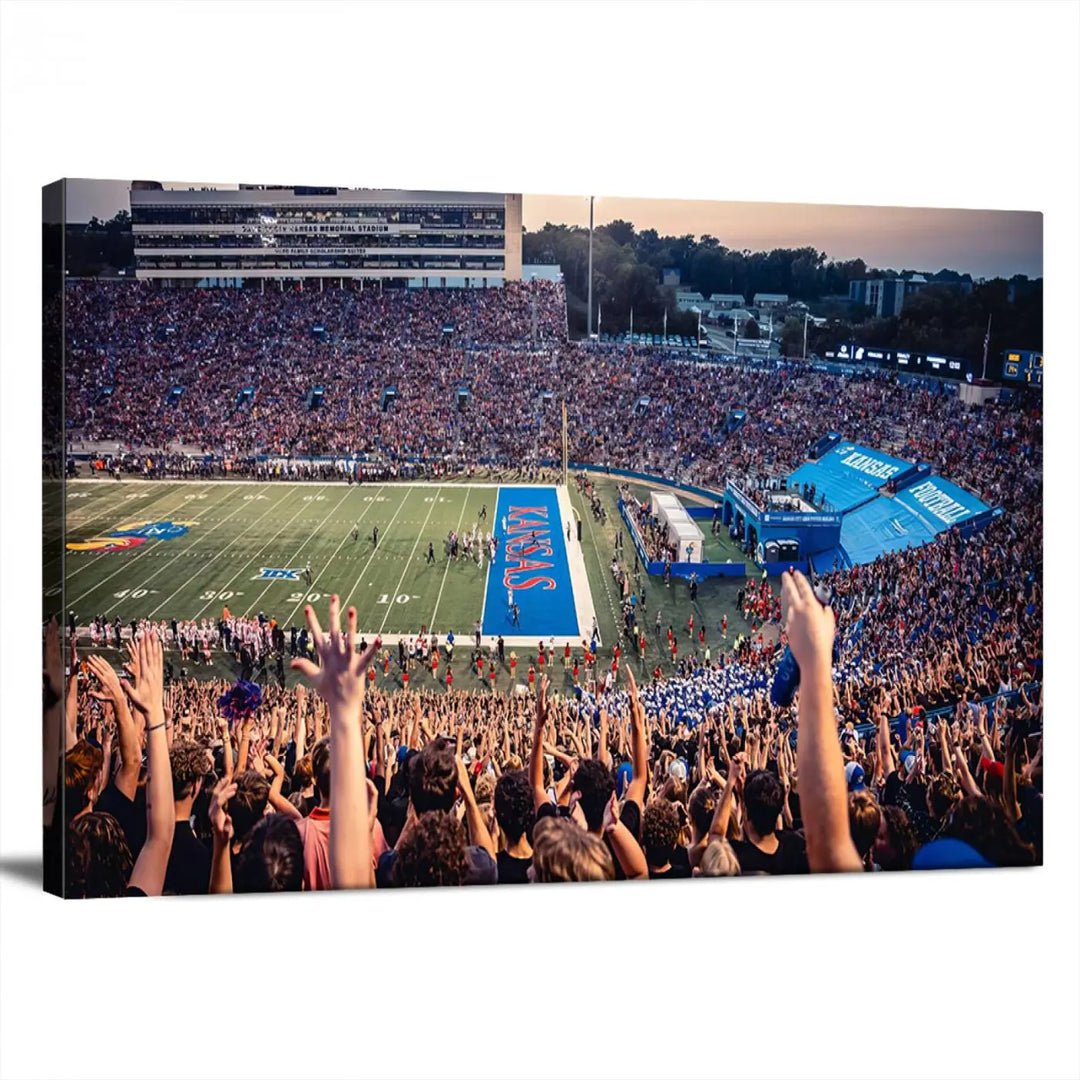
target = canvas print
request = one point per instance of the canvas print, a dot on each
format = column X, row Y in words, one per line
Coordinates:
column 401, row 538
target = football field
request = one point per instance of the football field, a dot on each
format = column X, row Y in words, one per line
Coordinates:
column 189, row 549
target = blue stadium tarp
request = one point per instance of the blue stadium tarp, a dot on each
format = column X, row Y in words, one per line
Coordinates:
column 849, row 474
column 881, row 526
column 940, row 503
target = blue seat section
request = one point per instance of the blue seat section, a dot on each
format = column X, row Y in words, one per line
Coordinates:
column 881, row 526
column 532, row 561
column 849, row 474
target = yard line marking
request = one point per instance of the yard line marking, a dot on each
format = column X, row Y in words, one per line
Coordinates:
column 253, row 606
column 315, row 580
column 247, row 562
column 125, row 564
column 457, row 530
column 202, row 554
column 94, row 560
column 375, row 552
column 408, row 563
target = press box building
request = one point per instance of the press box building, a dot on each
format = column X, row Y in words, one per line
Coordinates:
column 233, row 236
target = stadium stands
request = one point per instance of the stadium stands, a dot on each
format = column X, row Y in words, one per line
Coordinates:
column 940, row 632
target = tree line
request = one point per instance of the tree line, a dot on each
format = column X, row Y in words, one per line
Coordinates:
column 949, row 316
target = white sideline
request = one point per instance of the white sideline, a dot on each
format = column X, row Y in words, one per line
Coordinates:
column 575, row 557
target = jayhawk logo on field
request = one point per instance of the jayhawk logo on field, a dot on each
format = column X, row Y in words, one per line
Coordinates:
column 132, row 534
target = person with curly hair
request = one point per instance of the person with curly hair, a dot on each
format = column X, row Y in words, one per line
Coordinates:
column 436, row 776
column 895, row 844
column 99, row 861
column 660, row 839
column 432, row 851
column 188, row 872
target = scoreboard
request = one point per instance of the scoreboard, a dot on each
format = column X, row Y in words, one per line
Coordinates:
column 1022, row 366
column 946, row 367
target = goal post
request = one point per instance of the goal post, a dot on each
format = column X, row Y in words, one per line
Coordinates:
column 565, row 444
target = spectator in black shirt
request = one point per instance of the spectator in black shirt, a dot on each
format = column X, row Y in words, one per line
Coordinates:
column 764, row 850
column 246, row 808
column 515, row 817
column 188, row 870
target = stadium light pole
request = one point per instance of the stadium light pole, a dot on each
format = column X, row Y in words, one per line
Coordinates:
column 805, row 323
column 588, row 328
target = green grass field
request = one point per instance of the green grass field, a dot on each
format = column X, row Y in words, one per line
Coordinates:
column 235, row 531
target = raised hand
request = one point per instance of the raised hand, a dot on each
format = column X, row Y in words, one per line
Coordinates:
column 542, row 703
column 132, row 665
column 462, row 771
column 111, row 689
column 810, row 627
column 637, row 710
column 218, row 811
column 339, row 675
column 611, row 814
column 148, row 692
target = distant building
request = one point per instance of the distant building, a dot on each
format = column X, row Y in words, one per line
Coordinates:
column 885, row 296
column 670, row 277
column 685, row 299
column 770, row 300
column 726, row 301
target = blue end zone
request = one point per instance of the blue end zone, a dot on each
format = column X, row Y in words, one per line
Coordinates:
column 536, row 569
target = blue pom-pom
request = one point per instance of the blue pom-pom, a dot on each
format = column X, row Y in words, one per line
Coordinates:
column 240, row 701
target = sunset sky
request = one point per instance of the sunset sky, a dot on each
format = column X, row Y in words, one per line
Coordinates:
column 984, row 243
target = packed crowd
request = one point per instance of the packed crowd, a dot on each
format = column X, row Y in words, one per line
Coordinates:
column 130, row 347
column 996, row 452
column 928, row 711
column 352, row 787
column 507, row 347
